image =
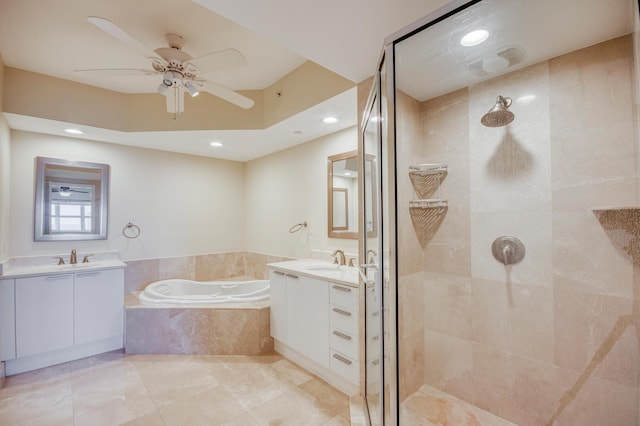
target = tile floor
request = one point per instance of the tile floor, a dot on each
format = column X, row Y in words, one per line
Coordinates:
column 429, row 406
column 116, row 389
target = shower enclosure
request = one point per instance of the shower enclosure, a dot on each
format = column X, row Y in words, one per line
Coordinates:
column 503, row 282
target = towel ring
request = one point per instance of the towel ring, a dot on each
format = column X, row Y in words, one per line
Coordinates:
column 297, row 227
column 131, row 231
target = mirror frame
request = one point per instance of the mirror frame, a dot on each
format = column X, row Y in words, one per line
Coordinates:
column 333, row 232
column 41, row 203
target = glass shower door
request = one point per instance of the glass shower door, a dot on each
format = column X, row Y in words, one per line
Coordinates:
column 370, row 266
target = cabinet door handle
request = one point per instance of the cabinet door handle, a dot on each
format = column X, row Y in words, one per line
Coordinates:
column 87, row 274
column 56, row 277
column 278, row 273
column 341, row 312
column 342, row 359
column 341, row 335
column 346, row 290
column 375, row 362
column 295, row 277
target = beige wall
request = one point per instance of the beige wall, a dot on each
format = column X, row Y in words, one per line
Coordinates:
column 43, row 96
column 5, row 168
column 290, row 187
column 517, row 341
column 184, row 205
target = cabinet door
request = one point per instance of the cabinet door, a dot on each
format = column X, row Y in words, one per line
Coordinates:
column 308, row 317
column 278, row 309
column 44, row 314
column 99, row 305
column 7, row 320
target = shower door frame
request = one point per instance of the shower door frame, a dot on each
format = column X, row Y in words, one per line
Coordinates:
column 385, row 88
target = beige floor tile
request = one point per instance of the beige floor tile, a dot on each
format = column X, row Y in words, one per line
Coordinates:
column 153, row 419
column 293, row 408
column 171, row 382
column 291, row 371
column 208, row 408
column 164, row 390
column 30, row 402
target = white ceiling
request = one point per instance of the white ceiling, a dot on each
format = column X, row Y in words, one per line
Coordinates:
column 54, row 38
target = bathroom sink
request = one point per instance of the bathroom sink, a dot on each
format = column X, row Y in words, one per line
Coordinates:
column 74, row 266
column 324, row 267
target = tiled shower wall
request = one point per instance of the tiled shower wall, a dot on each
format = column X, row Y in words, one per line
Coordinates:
column 219, row 266
column 556, row 337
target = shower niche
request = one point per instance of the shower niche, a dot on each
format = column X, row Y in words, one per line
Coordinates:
column 429, row 208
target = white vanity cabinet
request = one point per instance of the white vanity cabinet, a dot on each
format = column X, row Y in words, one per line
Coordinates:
column 44, row 314
column 7, row 319
column 314, row 322
column 278, row 309
column 345, row 342
column 308, row 317
column 98, row 307
column 55, row 318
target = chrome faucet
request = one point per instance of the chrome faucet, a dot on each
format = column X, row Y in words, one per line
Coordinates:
column 73, row 259
column 371, row 256
column 343, row 259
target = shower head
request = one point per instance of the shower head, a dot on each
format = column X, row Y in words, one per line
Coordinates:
column 499, row 115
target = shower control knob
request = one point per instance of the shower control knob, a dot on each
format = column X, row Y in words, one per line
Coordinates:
column 508, row 249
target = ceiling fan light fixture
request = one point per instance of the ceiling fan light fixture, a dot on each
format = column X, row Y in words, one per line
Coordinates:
column 167, row 80
column 193, row 90
column 162, row 89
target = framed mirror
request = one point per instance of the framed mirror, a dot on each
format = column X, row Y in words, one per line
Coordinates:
column 71, row 200
column 342, row 194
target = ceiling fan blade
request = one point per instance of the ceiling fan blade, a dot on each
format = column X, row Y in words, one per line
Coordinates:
column 227, row 94
column 118, row 71
column 222, row 59
column 117, row 32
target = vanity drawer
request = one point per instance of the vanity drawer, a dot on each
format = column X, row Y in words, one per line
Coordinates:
column 344, row 366
column 343, row 319
column 343, row 296
column 344, row 343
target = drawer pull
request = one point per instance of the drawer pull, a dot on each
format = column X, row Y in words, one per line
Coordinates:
column 341, row 312
column 295, row 277
column 341, row 335
column 375, row 314
column 376, row 338
column 87, row 274
column 346, row 290
column 278, row 273
column 56, row 277
column 375, row 362
column 342, row 359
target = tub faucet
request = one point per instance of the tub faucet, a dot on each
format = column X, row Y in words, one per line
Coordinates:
column 340, row 254
column 73, row 259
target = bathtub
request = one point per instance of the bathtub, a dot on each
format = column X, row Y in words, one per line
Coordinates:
column 186, row 292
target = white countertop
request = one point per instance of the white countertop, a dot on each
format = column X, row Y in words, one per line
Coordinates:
column 315, row 268
column 47, row 265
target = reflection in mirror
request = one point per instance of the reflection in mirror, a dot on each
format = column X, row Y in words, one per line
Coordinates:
column 343, row 195
column 70, row 200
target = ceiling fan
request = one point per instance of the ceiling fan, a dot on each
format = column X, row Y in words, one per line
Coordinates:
column 180, row 71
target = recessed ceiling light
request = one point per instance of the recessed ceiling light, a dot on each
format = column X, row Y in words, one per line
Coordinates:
column 297, row 132
column 347, row 173
column 330, row 120
column 474, row 38
column 216, row 144
column 74, row 131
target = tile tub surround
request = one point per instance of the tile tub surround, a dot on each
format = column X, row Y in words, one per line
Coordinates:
column 547, row 340
column 116, row 388
column 225, row 329
column 206, row 267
